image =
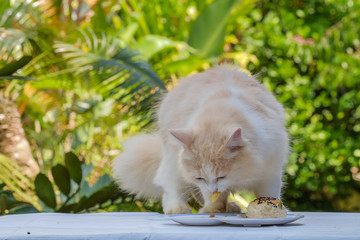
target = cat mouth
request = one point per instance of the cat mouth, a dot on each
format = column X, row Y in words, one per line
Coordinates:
column 214, row 196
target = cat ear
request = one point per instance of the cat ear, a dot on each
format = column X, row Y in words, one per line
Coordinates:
column 236, row 141
column 184, row 135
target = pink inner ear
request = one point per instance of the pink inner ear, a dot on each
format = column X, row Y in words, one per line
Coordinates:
column 184, row 135
column 237, row 133
column 235, row 141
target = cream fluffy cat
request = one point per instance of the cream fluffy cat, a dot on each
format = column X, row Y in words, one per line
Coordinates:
column 219, row 131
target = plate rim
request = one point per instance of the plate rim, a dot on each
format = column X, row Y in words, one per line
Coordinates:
column 261, row 221
column 189, row 220
column 200, row 214
column 239, row 221
column 289, row 215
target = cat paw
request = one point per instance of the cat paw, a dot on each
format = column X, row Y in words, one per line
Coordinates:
column 233, row 207
column 178, row 210
column 211, row 209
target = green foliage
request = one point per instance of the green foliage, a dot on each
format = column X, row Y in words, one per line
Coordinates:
column 208, row 31
column 61, row 177
column 8, row 71
column 73, row 165
column 76, row 193
column 9, row 205
column 12, row 67
column 17, row 183
column 45, row 190
column 309, row 56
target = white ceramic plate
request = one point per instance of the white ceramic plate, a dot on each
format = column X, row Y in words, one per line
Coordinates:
column 199, row 219
column 230, row 218
column 257, row 222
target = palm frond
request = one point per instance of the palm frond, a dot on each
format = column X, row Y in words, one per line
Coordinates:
column 18, row 34
column 47, row 69
column 5, row 4
column 116, row 70
column 14, row 44
column 14, row 12
column 16, row 181
column 12, row 77
column 65, row 10
column 108, row 58
column 12, row 67
column 52, row 8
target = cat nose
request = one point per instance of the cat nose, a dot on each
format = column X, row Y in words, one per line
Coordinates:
column 212, row 189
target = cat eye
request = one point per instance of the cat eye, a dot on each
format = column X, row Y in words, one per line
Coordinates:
column 199, row 179
column 220, row 178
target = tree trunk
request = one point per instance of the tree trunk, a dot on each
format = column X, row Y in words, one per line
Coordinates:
column 13, row 142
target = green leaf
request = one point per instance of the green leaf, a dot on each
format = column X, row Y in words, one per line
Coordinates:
column 127, row 60
column 152, row 44
column 208, row 31
column 18, row 78
column 62, row 178
column 3, row 203
column 128, row 33
column 45, row 190
column 27, row 208
column 13, row 66
column 8, row 194
column 109, row 192
column 112, row 59
column 99, row 21
column 73, row 165
column 187, row 65
column 69, row 208
column 3, row 6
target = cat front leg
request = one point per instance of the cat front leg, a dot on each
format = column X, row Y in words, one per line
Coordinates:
column 219, row 206
column 174, row 199
column 174, row 204
column 233, row 207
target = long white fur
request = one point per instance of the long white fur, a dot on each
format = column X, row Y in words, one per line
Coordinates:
column 214, row 104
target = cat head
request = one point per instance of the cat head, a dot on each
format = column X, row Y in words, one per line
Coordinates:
column 213, row 160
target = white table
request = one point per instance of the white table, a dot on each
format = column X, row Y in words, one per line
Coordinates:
column 157, row 226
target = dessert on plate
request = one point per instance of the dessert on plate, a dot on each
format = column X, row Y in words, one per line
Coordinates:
column 266, row 207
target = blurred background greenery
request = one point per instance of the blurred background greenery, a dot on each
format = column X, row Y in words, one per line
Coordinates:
column 79, row 76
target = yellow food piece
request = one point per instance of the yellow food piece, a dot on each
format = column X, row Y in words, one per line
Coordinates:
column 214, row 196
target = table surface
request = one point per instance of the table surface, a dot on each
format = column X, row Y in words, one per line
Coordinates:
column 140, row 225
